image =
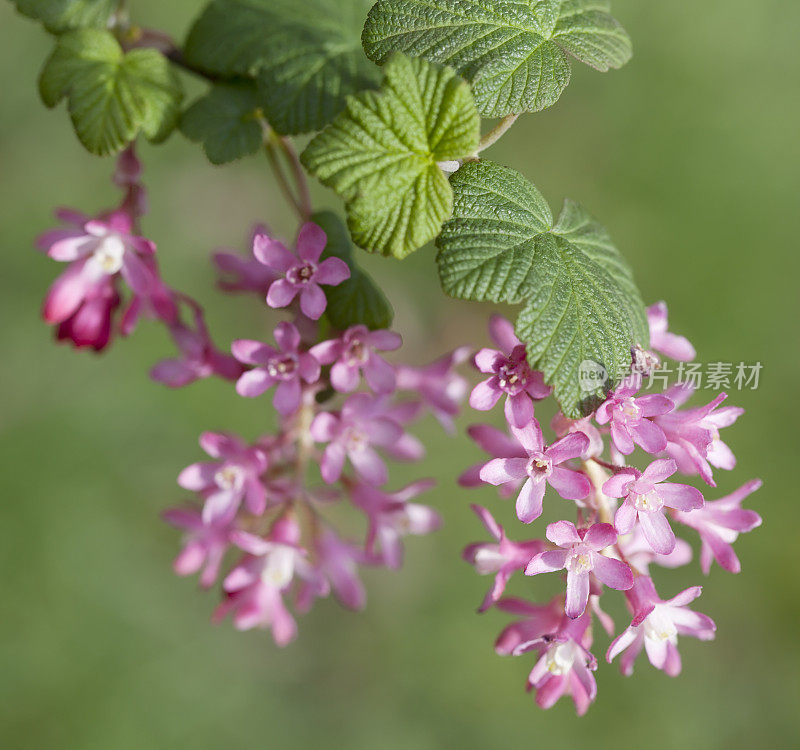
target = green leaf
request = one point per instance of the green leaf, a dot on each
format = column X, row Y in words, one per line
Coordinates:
column 580, row 302
column 111, row 95
column 380, row 155
column 514, row 52
column 307, row 56
column 359, row 299
column 225, row 121
column 58, row 16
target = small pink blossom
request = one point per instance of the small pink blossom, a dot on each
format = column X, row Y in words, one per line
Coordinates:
column 646, row 495
column 656, row 626
column 302, row 273
column 565, row 664
column 719, row 523
column 255, row 587
column 501, row 557
column 205, row 543
column 509, row 374
column 354, row 352
column 693, row 434
column 437, row 386
column 669, row 344
column 538, row 621
column 630, row 420
column 337, row 561
column 541, row 467
column 579, row 556
column 287, row 367
column 640, row 555
column 390, row 517
column 234, row 477
column 353, row 433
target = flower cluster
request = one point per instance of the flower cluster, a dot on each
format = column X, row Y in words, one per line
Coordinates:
column 624, row 515
column 112, row 279
column 342, row 411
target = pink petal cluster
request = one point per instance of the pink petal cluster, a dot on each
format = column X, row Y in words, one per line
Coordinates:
column 302, row 273
column 623, row 514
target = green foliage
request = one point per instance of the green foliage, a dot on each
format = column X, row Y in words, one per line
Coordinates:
column 357, row 300
column 111, row 95
column 306, row 56
column 225, row 121
column 515, row 53
column 380, row 155
column 58, row 16
column 578, row 295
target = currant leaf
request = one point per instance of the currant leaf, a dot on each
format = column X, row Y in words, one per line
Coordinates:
column 58, row 16
column 579, row 300
column 306, row 56
column 380, row 155
column 515, row 53
column 225, row 121
column 112, row 95
column 358, row 299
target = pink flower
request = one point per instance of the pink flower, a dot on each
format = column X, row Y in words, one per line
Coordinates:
column 565, row 665
column 540, row 466
column 503, row 557
column 286, row 366
column 355, row 352
column 438, row 386
column 302, row 273
column 200, row 358
column 656, row 625
column 352, row 434
column 719, row 523
column 510, row 375
column 496, row 443
column 390, row 517
column 630, row 421
column 693, row 434
column 646, row 495
column 224, row 483
column 255, row 587
column 238, row 273
column 204, row 545
column 669, row 344
column 579, row 555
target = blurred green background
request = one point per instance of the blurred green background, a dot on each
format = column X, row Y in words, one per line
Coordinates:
column 689, row 156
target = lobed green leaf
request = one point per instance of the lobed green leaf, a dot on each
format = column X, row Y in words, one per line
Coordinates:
column 579, row 300
column 111, row 95
column 515, row 53
column 380, row 155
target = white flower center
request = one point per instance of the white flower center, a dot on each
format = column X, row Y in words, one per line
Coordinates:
column 356, row 440
column 629, row 408
column 279, row 565
column 560, row 657
column 301, row 274
column 282, row 367
column 649, row 502
column 356, row 353
column 109, row 253
column 579, row 561
column 539, row 466
column 658, row 626
column 229, row 478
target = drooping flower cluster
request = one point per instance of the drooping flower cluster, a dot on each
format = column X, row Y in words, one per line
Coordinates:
column 342, row 411
column 624, row 516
